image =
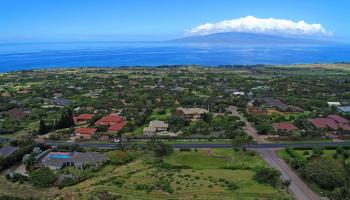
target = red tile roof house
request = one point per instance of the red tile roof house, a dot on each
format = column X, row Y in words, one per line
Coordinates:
column 83, row 118
column 85, row 133
column 114, row 122
column 333, row 122
column 285, row 126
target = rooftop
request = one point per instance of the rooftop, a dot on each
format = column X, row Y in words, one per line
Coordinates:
column 158, row 124
column 193, row 111
column 84, row 117
column 285, row 126
column 7, row 151
column 87, row 131
column 345, row 109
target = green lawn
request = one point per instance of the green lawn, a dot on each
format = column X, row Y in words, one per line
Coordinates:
column 215, row 158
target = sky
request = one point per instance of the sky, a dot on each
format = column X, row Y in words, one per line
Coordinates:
column 150, row 20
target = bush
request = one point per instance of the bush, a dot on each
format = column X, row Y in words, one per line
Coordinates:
column 231, row 186
column 185, row 149
column 268, row 176
column 42, row 177
column 326, row 172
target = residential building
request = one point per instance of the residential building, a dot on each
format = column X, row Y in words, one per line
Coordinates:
column 331, row 104
column 85, row 133
column 7, row 151
column 285, row 126
column 114, row 122
column 57, row 160
column 344, row 109
column 191, row 113
column 83, row 118
column 332, row 122
column 60, row 102
column 155, row 126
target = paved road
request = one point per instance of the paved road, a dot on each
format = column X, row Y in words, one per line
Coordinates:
column 300, row 190
column 249, row 128
column 254, row 146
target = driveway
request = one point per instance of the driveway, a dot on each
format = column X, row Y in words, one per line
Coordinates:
column 249, row 128
column 299, row 189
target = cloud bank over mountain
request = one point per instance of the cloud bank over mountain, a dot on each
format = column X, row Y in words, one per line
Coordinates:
column 251, row 24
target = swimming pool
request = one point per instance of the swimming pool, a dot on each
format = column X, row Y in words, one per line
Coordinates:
column 58, row 155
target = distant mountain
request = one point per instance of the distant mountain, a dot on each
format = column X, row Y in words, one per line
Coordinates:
column 241, row 38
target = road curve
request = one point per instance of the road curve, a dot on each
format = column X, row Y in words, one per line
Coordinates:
column 300, row 190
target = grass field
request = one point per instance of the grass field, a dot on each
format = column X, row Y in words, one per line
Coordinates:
column 203, row 181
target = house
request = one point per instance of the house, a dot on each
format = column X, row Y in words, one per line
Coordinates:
column 285, row 126
column 333, row 122
column 85, row 133
column 238, row 93
column 114, row 122
column 331, row 104
column 155, row 126
column 279, row 105
column 344, row 109
column 324, row 123
column 7, row 151
column 191, row 113
column 60, row 102
column 339, row 119
column 83, row 118
column 57, row 160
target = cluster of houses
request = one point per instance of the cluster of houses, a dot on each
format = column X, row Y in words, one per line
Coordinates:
column 113, row 123
column 330, row 122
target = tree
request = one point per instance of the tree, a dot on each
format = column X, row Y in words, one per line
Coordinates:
column 328, row 173
column 264, row 129
column 43, row 128
column 2, row 163
column 239, row 142
column 340, row 194
column 286, row 183
column 28, row 159
column 268, row 176
column 317, row 152
column 42, row 177
column 207, row 117
column 159, row 148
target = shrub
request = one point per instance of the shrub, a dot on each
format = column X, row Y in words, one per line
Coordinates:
column 268, row 176
column 42, row 177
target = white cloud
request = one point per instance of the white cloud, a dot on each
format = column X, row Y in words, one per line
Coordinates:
column 252, row 24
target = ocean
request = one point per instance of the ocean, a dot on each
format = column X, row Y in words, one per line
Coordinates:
column 24, row 56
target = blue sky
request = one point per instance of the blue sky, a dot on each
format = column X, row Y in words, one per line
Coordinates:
column 73, row 20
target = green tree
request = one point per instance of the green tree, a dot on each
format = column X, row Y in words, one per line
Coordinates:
column 42, row 177
column 340, row 194
column 268, row 176
column 159, row 148
column 328, row 173
column 264, row 129
column 239, row 142
column 286, row 183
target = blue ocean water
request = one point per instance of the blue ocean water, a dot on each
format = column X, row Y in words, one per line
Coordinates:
column 22, row 56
